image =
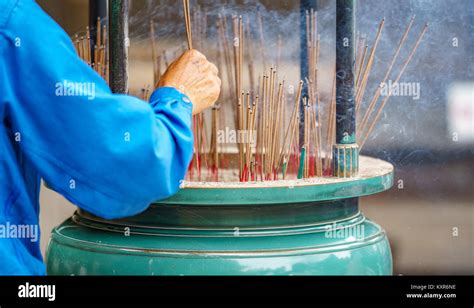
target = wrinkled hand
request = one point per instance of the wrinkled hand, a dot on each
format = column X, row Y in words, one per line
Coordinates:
column 194, row 76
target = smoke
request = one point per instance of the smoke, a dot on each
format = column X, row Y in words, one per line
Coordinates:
column 409, row 124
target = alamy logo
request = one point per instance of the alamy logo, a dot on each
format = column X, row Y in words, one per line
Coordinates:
column 400, row 89
column 69, row 88
column 237, row 136
column 9, row 230
column 28, row 290
column 340, row 232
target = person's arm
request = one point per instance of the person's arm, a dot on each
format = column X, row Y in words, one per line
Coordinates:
column 111, row 155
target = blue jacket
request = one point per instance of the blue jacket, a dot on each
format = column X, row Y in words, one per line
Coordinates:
column 109, row 154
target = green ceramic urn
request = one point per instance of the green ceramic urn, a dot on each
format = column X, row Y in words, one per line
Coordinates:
column 291, row 227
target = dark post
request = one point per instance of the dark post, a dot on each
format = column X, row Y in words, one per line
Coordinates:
column 346, row 150
column 305, row 5
column 97, row 8
column 118, row 45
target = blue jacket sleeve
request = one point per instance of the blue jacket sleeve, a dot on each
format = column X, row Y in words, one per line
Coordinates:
column 111, row 155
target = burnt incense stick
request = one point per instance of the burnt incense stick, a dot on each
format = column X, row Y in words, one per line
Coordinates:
column 387, row 74
column 400, row 74
column 365, row 76
column 360, row 65
column 187, row 20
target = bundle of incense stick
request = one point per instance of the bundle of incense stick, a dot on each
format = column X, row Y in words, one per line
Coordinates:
column 95, row 55
column 202, row 157
column 268, row 143
column 187, row 21
column 373, row 113
column 364, row 63
column 313, row 151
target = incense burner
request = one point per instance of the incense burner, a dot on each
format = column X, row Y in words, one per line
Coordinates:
column 291, row 227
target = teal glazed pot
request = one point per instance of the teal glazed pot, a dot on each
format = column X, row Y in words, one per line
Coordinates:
column 300, row 227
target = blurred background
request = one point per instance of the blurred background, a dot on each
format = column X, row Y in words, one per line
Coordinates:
column 429, row 212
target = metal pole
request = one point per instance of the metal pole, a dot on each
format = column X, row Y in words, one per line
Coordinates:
column 305, row 5
column 346, row 159
column 118, row 45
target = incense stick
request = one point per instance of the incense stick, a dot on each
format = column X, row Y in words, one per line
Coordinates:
column 187, row 20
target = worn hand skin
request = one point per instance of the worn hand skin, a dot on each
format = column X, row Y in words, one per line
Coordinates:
column 196, row 77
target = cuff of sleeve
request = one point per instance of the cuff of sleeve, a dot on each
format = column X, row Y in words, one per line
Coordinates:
column 167, row 94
